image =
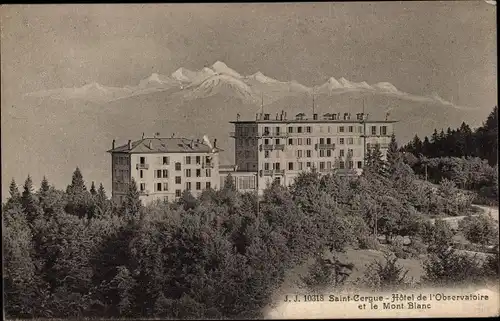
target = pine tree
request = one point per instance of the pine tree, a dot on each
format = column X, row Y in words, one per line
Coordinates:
column 102, row 205
column 417, row 145
column 393, row 153
column 15, row 196
column 93, row 192
column 28, row 201
column 44, row 188
column 426, row 146
column 77, row 184
column 133, row 203
column 229, row 183
column 14, row 199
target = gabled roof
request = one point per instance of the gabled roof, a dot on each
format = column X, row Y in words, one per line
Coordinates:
column 164, row 145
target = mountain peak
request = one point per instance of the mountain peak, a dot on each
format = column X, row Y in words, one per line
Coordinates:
column 222, row 68
column 260, row 77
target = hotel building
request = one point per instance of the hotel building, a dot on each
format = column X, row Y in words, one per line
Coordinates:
column 164, row 167
column 279, row 149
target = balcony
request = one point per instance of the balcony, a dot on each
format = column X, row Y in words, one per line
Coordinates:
column 146, row 192
column 272, row 172
column 279, row 147
column 208, row 165
column 275, row 134
column 142, row 166
column 266, row 147
column 325, row 146
column 325, row 170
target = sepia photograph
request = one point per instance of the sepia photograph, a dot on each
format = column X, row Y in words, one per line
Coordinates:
column 249, row 160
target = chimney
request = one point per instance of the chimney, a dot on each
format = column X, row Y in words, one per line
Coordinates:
column 215, row 143
column 276, row 116
column 173, row 135
column 257, row 116
column 142, row 135
column 129, row 144
column 150, row 144
column 113, row 144
column 285, row 115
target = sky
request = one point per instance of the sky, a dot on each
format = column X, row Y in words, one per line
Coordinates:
column 420, row 47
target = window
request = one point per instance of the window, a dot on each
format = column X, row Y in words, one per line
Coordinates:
column 178, row 193
column 308, row 153
column 290, row 129
column 383, row 130
column 198, row 160
column 141, row 174
column 321, row 165
column 277, row 131
column 322, row 141
column 142, row 186
column 341, row 129
column 299, row 153
column 198, row 186
column 277, row 166
column 277, row 141
column 165, row 160
column 188, row 160
column 188, row 172
column 278, row 180
column 266, row 141
column 328, row 153
column 177, row 179
column 360, row 129
column 299, row 129
column 198, row 173
column 341, row 141
column 308, row 141
column 165, row 186
column 208, row 172
column 360, row 164
column 158, row 173
column 341, row 153
column 350, row 141
column 165, row 199
column 158, row 187
column 165, row 173
column 188, row 186
column 328, row 165
column 308, row 129
column 299, row 141
column 207, row 159
column 266, row 154
column 142, row 160
column 342, row 165
column 328, row 141
column 266, row 166
column 177, row 166
column 350, row 152
column 290, row 166
column 300, row 166
column 308, row 164
column 351, row 129
column 290, row 141
column 321, row 153
column 207, row 185
column 374, row 130
column 266, row 130
column 351, row 164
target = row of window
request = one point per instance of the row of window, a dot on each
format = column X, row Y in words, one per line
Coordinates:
column 243, row 131
column 163, row 187
column 241, row 183
column 163, row 173
column 322, row 165
column 303, row 141
column 165, row 160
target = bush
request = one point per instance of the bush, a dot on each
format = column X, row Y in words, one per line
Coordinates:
column 417, row 248
column 369, row 243
column 385, row 275
column 398, row 249
column 446, row 267
column 480, row 229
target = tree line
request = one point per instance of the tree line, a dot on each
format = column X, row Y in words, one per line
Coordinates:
column 460, row 142
column 76, row 253
column 466, row 157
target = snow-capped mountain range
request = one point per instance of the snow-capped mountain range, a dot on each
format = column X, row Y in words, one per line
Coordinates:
column 221, row 79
